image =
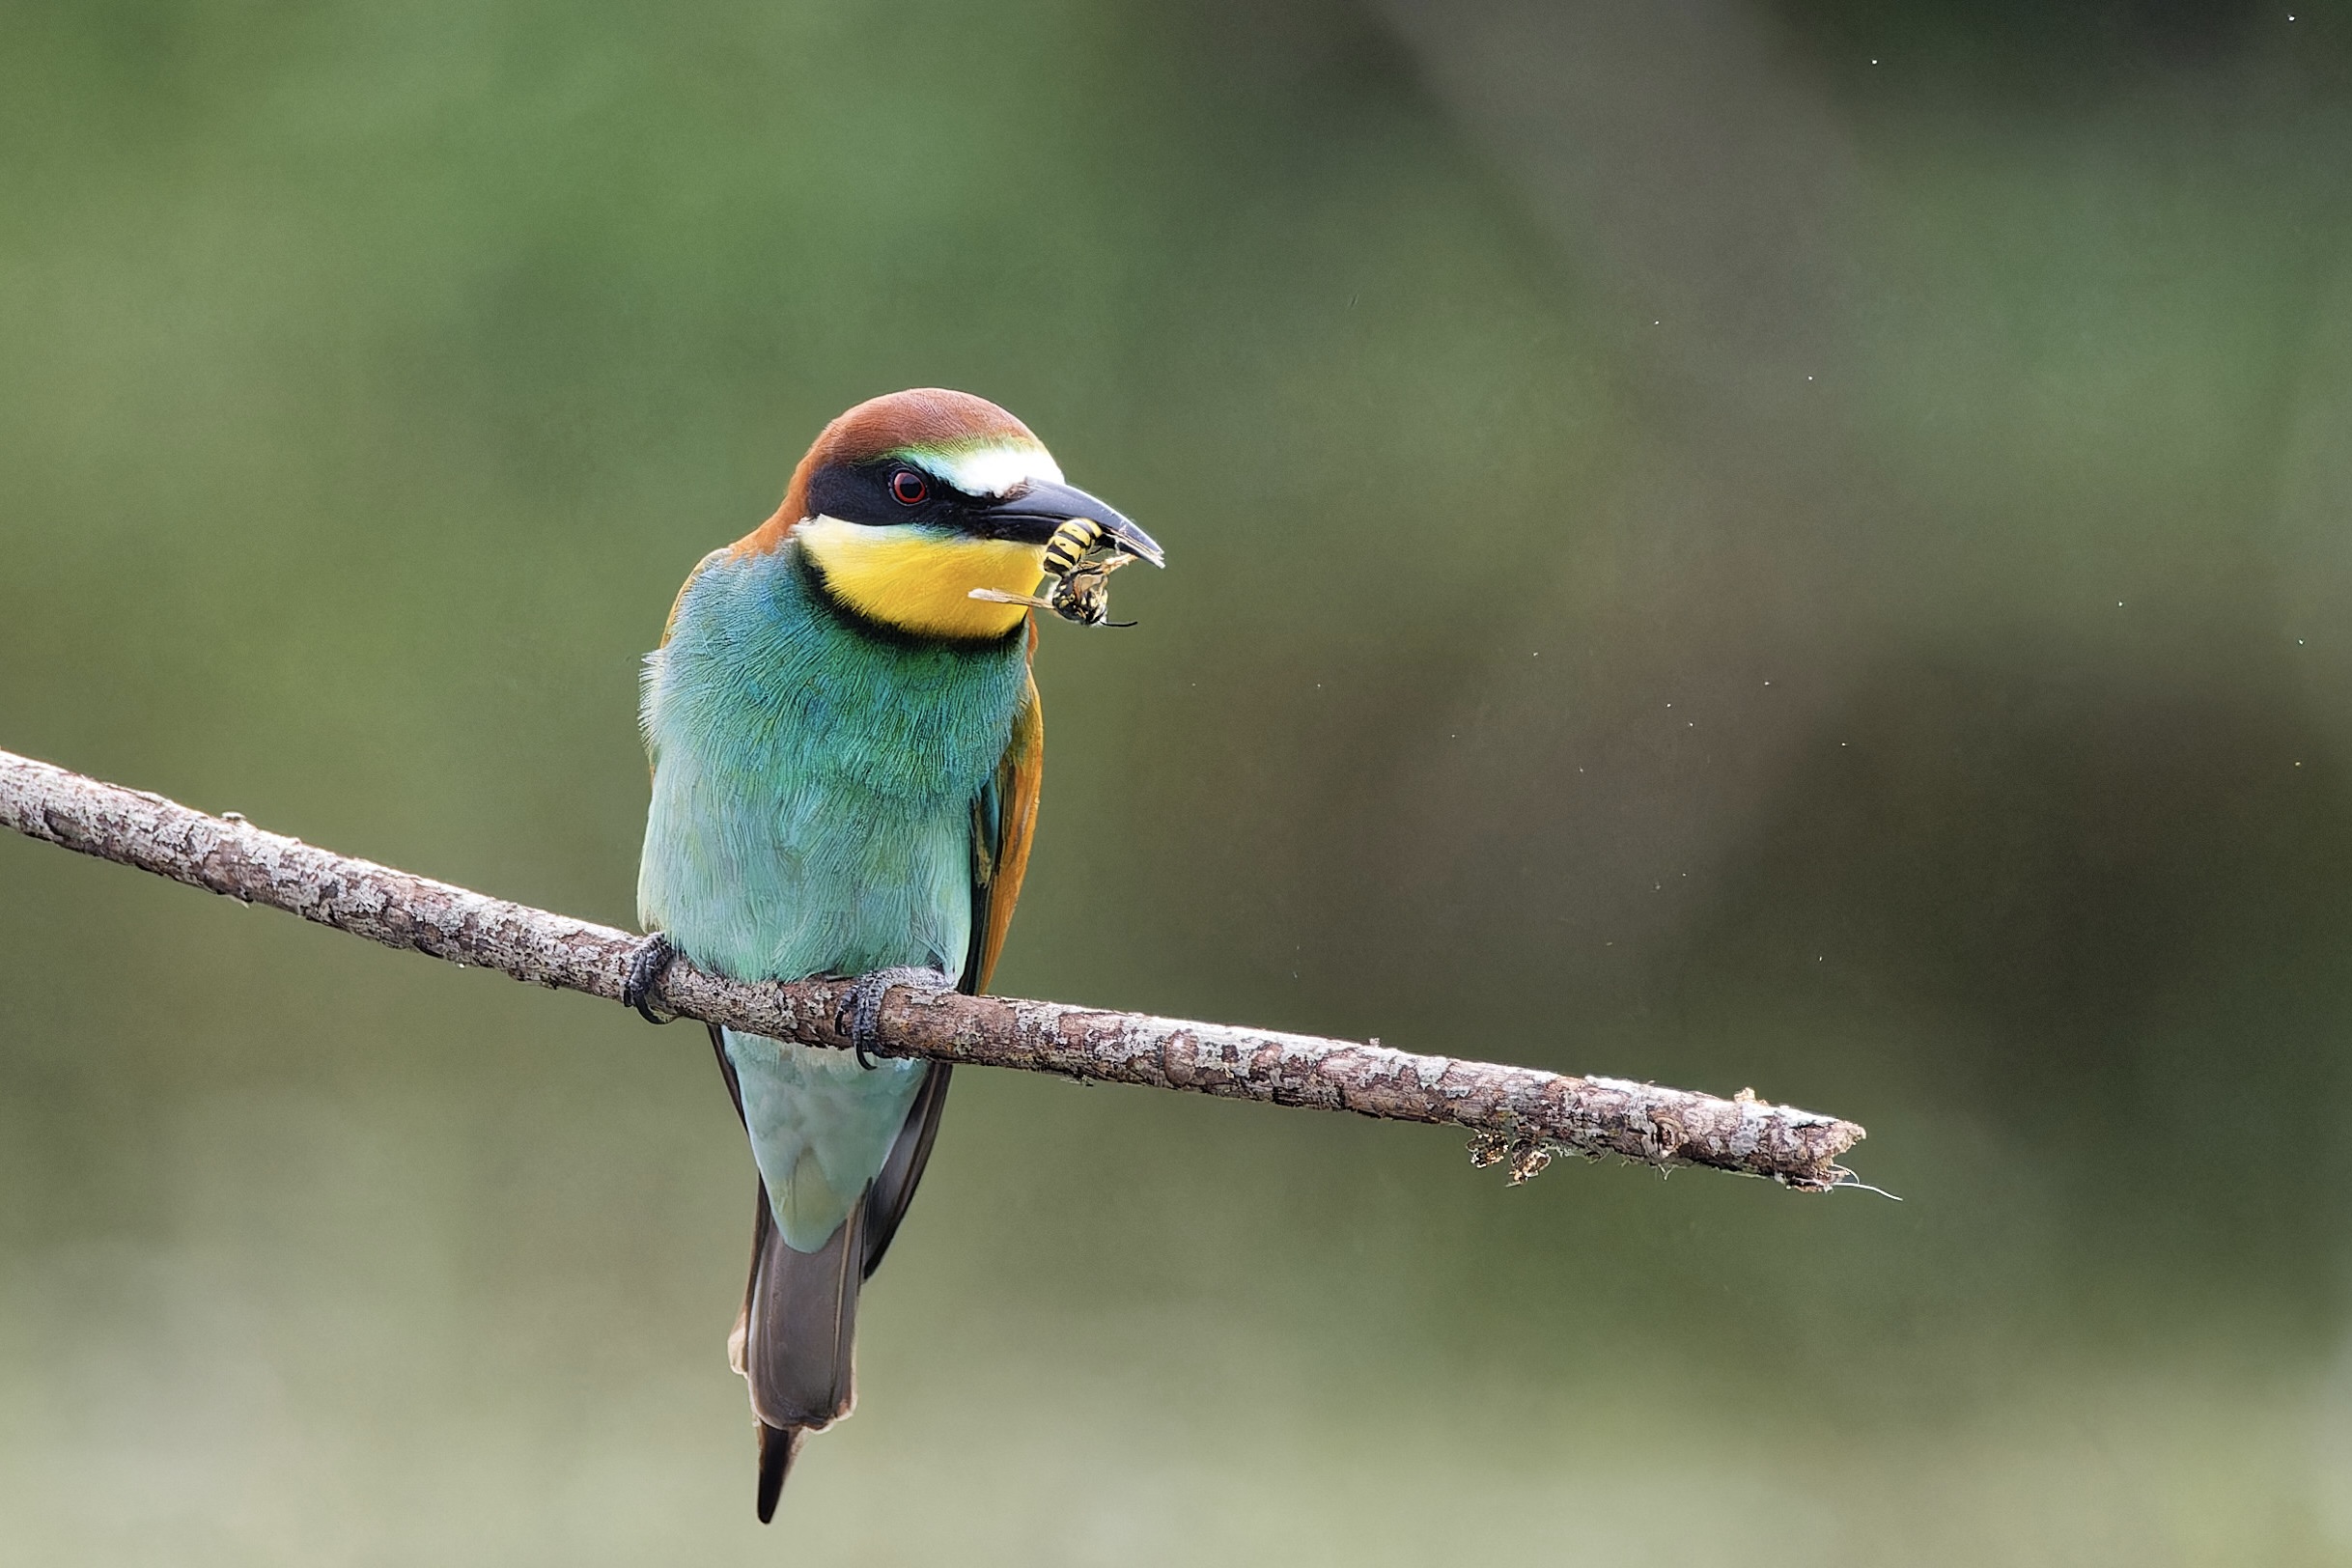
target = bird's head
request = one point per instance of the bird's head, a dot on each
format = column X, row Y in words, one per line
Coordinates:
column 908, row 502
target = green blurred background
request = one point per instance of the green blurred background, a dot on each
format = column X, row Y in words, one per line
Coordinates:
column 1798, row 545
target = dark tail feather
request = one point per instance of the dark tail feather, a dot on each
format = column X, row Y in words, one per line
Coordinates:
column 889, row 1192
column 777, row 1447
column 798, row 1335
column 804, row 1323
column 726, row 1070
column 795, row 1342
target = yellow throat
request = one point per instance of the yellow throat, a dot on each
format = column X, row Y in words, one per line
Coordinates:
column 921, row 582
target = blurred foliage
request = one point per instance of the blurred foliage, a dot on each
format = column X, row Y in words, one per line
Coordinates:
column 1872, row 628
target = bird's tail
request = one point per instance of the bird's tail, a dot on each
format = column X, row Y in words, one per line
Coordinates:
column 778, row 1445
column 796, row 1342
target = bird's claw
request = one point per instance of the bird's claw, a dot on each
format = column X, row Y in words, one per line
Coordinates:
column 643, row 981
column 865, row 1003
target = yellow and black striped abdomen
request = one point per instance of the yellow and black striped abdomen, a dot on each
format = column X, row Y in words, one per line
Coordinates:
column 1069, row 545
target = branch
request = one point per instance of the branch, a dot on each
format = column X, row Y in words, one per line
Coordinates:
column 1521, row 1117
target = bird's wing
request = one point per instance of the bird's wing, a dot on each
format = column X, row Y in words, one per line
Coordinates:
column 1004, row 818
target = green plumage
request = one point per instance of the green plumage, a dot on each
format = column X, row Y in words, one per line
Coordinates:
column 814, row 780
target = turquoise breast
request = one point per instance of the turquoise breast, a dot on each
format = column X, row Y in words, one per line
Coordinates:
column 812, row 814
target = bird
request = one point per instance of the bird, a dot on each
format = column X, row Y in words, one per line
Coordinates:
column 847, row 745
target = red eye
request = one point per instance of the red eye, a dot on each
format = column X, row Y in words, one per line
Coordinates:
column 907, row 488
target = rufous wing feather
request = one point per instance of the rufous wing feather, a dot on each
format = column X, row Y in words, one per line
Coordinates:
column 1018, row 777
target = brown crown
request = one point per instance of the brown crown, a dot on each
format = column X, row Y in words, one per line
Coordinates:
column 924, row 416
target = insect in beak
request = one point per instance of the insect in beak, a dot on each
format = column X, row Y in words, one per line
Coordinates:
column 1079, row 560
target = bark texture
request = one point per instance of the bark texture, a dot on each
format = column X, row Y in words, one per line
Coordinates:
column 1520, row 1117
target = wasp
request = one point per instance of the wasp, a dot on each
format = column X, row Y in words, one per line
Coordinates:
column 1081, row 585
column 1070, row 543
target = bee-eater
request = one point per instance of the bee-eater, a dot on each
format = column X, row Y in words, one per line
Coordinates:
column 846, row 748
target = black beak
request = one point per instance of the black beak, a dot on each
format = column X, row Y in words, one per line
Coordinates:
column 1037, row 508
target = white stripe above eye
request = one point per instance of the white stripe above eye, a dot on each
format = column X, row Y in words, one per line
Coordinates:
column 991, row 469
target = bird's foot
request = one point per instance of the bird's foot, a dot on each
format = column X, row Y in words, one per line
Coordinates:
column 642, row 985
column 864, row 1010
